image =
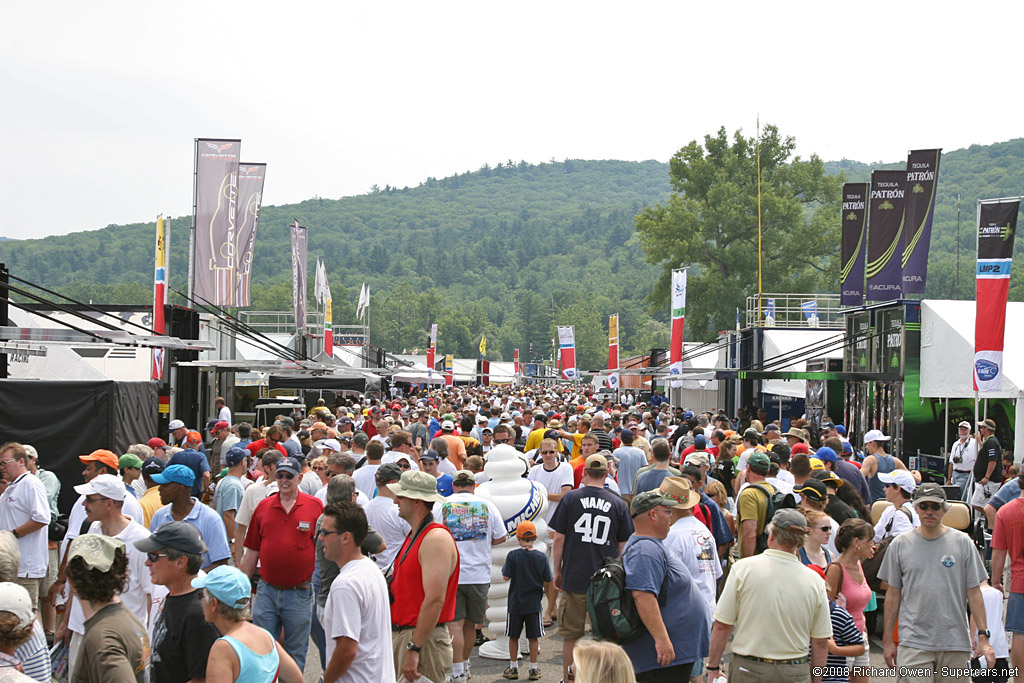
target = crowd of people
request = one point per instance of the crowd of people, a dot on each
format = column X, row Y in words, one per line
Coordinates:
column 221, row 553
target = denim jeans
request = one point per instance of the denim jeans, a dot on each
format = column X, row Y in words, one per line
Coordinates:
column 291, row 609
column 960, row 479
column 316, row 628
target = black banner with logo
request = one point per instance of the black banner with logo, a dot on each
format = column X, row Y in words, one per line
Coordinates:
column 855, row 213
column 885, row 235
column 922, row 177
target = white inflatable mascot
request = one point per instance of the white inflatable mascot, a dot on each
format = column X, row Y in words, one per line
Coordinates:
column 518, row 499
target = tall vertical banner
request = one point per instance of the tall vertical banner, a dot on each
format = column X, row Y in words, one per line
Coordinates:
column 997, row 223
column 885, row 235
column 159, row 296
column 299, row 276
column 515, row 362
column 922, row 174
column 216, row 208
column 613, row 351
column 675, row 353
column 250, row 198
column 854, row 241
column 449, row 370
column 567, row 351
column 431, row 350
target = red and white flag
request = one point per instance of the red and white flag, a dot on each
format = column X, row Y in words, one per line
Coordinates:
column 613, row 351
column 675, row 354
column 567, row 351
column 997, row 223
column 431, row 350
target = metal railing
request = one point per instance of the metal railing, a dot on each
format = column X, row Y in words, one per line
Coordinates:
column 794, row 310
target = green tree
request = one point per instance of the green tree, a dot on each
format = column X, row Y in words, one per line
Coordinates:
column 709, row 224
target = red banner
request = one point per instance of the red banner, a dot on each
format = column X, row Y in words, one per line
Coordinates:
column 515, row 361
column 431, row 350
column 567, row 355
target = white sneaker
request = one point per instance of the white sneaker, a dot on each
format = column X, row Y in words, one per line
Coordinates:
column 461, row 678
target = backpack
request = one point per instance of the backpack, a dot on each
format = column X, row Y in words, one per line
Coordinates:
column 872, row 565
column 775, row 501
column 613, row 614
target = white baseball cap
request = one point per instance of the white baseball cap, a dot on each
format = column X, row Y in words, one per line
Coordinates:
column 15, row 599
column 106, row 485
column 902, row 478
column 175, row 424
column 330, row 444
column 875, row 435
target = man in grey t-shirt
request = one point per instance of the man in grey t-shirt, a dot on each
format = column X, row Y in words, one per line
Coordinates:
column 934, row 572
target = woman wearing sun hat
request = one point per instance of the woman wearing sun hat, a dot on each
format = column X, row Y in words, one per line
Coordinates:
column 245, row 653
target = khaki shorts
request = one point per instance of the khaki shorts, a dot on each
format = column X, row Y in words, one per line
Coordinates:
column 471, row 602
column 436, row 657
column 51, row 571
column 32, row 586
column 572, row 615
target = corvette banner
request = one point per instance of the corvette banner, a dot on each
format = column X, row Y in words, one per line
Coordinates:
column 216, row 193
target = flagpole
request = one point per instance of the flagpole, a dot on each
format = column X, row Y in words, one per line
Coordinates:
column 760, row 289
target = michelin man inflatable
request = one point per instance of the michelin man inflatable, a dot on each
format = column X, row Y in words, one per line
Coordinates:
column 518, row 499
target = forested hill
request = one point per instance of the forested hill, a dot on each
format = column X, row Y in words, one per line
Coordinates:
column 507, row 251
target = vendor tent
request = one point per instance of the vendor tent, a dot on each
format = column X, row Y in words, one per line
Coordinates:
column 947, row 350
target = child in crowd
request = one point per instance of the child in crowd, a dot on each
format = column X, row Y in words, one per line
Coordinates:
column 994, row 616
column 527, row 569
column 846, row 640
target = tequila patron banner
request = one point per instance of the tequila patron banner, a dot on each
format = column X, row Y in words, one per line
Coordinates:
column 213, row 268
column 567, row 351
column 431, row 350
column 613, row 351
column 997, row 223
column 855, row 214
column 299, row 276
column 250, row 198
column 922, row 174
column 675, row 354
column 885, row 235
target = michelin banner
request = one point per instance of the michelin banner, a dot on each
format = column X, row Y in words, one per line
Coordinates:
column 997, row 223
column 567, row 351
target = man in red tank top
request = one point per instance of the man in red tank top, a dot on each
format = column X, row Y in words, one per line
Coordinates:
column 423, row 591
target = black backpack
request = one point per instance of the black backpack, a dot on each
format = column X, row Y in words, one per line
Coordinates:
column 613, row 614
column 775, row 501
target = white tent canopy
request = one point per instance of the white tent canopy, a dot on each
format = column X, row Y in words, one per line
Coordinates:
column 947, row 350
column 782, row 341
column 417, row 374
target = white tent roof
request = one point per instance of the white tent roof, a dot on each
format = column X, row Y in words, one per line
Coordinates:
column 947, row 350
column 781, row 341
column 417, row 374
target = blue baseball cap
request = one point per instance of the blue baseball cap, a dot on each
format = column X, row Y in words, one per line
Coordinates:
column 825, row 454
column 841, row 429
column 289, row 464
column 227, row 584
column 235, row 455
column 176, row 474
column 700, row 442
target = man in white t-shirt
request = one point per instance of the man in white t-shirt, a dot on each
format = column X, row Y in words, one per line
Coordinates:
column 223, row 412
column 25, row 511
column 557, row 478
column 691, row 541
column 476, row 524
column 382, row 514
column 357, row 617
column 364, row 476
column 104, row 500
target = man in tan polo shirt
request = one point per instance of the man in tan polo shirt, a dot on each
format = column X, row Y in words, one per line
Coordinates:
column 774, row 620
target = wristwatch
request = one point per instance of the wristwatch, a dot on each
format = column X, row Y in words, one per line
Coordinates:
column 984, row 632
column 15, row 532
column 413, row 647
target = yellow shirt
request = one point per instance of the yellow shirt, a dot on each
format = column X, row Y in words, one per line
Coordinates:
column 752, row 504
column 150, row 503
column 775, row 604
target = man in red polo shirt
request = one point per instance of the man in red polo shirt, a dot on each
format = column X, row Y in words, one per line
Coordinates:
column 282, row 532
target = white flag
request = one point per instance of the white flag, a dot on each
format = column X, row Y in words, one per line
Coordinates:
column 359, row 303
column 320, row 289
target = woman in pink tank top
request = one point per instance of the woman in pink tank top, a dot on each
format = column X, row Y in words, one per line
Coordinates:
column 847, row 585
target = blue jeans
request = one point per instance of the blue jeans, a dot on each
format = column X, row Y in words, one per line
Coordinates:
column 960, row 479
column 292, row 610
column 316, row 628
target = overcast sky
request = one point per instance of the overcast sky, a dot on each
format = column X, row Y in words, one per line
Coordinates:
column 100, row 101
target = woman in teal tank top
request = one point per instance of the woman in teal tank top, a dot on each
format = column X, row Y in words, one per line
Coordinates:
column 244, row 653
